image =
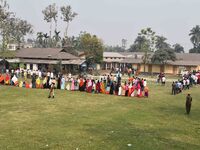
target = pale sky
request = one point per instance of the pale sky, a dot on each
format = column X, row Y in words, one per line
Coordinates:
column 113, row 20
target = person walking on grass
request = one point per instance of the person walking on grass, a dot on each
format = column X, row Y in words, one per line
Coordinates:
column 188, row 103
column 51, row 90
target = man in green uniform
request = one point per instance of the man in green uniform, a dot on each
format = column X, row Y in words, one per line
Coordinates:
column 188, row 103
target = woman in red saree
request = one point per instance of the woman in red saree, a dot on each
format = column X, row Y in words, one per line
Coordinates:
column 7, row 79
column 1, row 79
column 98, row 88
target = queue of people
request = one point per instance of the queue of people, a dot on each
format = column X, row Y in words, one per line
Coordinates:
column 107, row 84
column 187, row 81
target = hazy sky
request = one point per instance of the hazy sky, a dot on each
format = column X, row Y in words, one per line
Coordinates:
column 113, row 20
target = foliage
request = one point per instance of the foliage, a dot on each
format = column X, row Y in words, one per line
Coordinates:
column 113, row 49
column 178, row 48
column 12, row 29
column 145, row 41
column 141, row 44
column 67, row 15
column 7, row 54
column 163, row 55
column 40, row 37
column 50, row 13
column 195, row 36
column 92, row 46
column 56, row 38
column 22, row 28
column 164, row 51
column 195, row 39
column 195, row 50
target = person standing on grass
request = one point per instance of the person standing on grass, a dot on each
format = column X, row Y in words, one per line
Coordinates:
column 52, row 88
column 188, row 103
column 173, row 88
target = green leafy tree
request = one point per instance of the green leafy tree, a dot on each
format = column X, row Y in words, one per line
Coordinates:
column 113, row 49
column 21, row 29
column 5, row 23
column 141, row 44
column 195, row 39
column 40, row 39
column 178, row 48
column 67, row 15
column 92, row 46
column 145, row 42
column 162, row 56
column 164, row 52
column 56, row 38
column 46, row 40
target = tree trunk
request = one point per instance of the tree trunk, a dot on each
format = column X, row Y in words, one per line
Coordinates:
column 66, row 30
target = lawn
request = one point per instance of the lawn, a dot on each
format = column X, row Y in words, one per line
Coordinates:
column 81, row 121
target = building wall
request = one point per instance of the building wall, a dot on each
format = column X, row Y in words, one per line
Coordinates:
column 156, row 68
column 194, row 68
column 142, row 68
column 198, row 68
column 169, row 69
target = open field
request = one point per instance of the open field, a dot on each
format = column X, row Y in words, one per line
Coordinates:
column 81, row 121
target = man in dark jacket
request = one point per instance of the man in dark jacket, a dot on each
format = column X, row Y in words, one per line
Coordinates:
column 188, row 103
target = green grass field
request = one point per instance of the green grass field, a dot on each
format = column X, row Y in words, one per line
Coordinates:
column 81, row 121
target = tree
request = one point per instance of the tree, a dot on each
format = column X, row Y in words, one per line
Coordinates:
column 146, row 59
column 195, row 36
column 161, row 43
column 145, row 41
column 150, row 36
column 178, row 48
column 113, row 49
column 21, row 29
column 141, row 44
column 164, row 52
column 46, row 39
column 56, row 38
column 40, row 38
column 50, row 14
column 67, row 15
column 5, row 23
column 195, row 39
column 92, row 46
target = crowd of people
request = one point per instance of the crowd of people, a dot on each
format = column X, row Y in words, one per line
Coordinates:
column 106, row 84
column 187, row 81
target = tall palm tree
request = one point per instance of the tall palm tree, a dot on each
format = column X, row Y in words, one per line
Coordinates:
column 195, row 36
column 56, row 37
column 40, row 38
column 46, row 40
